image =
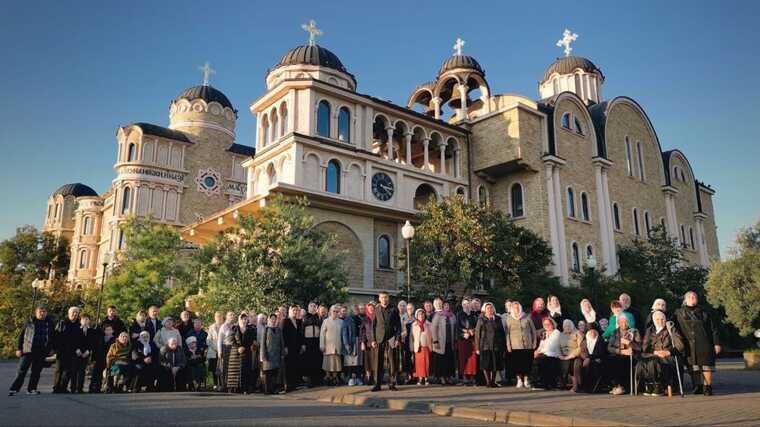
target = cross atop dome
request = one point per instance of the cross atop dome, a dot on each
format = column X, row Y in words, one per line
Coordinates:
column 458, row 46
column 313, row 31
column 567, row 38
column 207, row 72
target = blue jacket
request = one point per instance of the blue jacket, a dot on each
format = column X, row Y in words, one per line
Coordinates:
column 348, row 335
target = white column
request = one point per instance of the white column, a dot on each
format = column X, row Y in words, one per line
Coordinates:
column 463, row 98
column 426, row 144
column 442, row 149
column 701, row 248
column 457, row 163
column 408, row 141
column 612, row 267
column 565, row 274
column 602, row 215
column 553, row 232
column 670, row 211
column 389, row 131
column 437, row 105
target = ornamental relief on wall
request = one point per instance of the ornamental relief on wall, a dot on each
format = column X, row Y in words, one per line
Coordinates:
column 209, row 181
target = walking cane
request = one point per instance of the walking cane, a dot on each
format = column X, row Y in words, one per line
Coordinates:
column 669, row 324
column 631, row 337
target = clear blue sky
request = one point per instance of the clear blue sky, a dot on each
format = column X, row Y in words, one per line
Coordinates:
column 74, row 71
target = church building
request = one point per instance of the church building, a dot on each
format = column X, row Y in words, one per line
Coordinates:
column 585, row 172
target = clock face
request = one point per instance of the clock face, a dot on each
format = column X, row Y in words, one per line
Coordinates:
column 382, row 186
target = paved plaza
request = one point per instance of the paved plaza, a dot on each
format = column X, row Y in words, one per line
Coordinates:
column 737, row 402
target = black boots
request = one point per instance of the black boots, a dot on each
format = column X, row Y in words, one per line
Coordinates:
column 708, row 390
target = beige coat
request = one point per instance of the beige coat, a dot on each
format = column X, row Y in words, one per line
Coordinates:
column 330, row 341
column 569, row 344
column 420, row 338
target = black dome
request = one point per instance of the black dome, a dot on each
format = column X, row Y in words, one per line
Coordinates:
column 569, row 64
column 461, row 61
column 207, row 93
column 76, row 190
column 312, row 55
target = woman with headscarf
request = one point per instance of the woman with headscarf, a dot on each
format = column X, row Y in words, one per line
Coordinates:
column 521, row 340
column 658, row 305
column 468, row 359
column 146, row 359
column 353, row 358
column 547, row 354
column 368, row 337
column 166, row 333
column 622, row 346
column 656, row 364
column 555, row 309
column 443, row 328
column 312, row 357
column 569, row 345
column 420, row 344
column 702, row 342
column 224, row 341
column 331, row 346
column 589, row 368
column 490, row 343
column 538, row 312
column 239, row 366
column 117, row 362
column 272, row 352
column 589, row 314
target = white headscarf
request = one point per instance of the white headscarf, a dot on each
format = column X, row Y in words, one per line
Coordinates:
column 657, row 302
column 554, row 309
column 590, row 315
column 517, row 315
column 658, row 313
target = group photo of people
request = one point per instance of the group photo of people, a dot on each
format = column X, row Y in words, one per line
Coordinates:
column 443, row 341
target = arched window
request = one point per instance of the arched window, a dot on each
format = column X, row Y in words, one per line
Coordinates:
column 50, row 211
column 516, row 200
column 683, row 236
column 131, row 152
column 640, row 157
column 589, row 251
column 264, row 130
column 57, row 210
column 344, row 125
column 272, row 174
column 570, row 203
column 647, row 223
column 83, row 258
column 616, row 216
column 283, row 119
column 555, row 85
column 578, row 86
column 578, row 127
column 585, row 211
column 691, row 237
column 384, row 252
column 683, row 177
column 423, row 195
column 576, row 256
column 636, row 229
column 332, row 180
column 122, row 240
column 275, row 126
column 628, row 157
column 482, row 195
column 126, row 200
column 566, row 120
column 87, row 225
column 323, row 119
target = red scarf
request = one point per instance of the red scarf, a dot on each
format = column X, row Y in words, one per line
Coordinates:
column 421, row 323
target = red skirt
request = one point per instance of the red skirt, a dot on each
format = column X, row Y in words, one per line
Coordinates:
column 422, row 363
column 468, row 360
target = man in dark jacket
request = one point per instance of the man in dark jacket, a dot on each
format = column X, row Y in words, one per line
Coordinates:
column 34, row 344
column 702, row 343
column 153, row 323
column 83, row 353
column 292, row 333
column 387, row 331
column 103, row 340
column 67, row 334
column 112, row 319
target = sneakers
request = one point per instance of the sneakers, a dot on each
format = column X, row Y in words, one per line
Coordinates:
column 708, row 390
column 351, row 382
column 526, row 384
column 519, row 383
column 34, row 392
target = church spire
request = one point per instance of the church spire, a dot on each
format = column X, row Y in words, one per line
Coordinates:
column 207, row 72
column 567, row 38
column 313, row 31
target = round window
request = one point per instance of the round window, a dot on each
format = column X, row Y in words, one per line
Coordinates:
column 209, row 182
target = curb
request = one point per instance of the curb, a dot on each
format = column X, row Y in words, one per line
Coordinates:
column 501, row 416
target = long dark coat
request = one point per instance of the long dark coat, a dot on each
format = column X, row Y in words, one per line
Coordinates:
column 700, row 333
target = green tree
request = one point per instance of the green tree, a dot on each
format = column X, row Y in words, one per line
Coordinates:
column 276, row 257
column 734, row 284
column 149, row 270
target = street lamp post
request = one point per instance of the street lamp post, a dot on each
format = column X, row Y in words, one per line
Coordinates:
column 591, row 264
column 407, row 232
column 36, row 284
column 106, row 261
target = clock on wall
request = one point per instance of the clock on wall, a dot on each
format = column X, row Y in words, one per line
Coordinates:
column 382, row 186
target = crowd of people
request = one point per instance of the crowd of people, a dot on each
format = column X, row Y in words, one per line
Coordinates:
column 444, row 341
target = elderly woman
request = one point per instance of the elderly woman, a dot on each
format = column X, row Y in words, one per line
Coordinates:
column 271, row 353
column 538, row 312
column 621, row 346
column 490, row 343
column 166, row 333
column 173, row 362
column 555, row 309
column 212, row 344
column 589, row 314
column 353, row 356
column 521, row 340
column 420, row 344
column 407, row 356
column 312, row 357
column 658, row 305
column 468, row 359
column 146, row 359
column 570, row 350
column 702, row 342
column 331, row 345
column 138, row 325
column 240, row 364
column 589, row 367
column 617, row 311
column 224, row 344
column 368, row 337
column 196, row 364
column 547, row 355
column 444, row 332
column 117, row 363
column 656, row 364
